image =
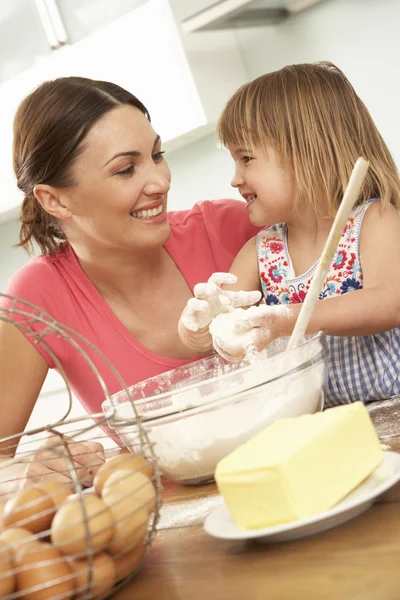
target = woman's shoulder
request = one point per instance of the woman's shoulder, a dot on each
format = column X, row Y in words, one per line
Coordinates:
column 207, row 238
column 36, row 270
column 225, row 220
column 208, row 211
column 37, row 282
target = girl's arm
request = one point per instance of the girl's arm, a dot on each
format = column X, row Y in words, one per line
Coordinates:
column 373, row 309
column 245, row 267
column 193, row 326
column 376, row 307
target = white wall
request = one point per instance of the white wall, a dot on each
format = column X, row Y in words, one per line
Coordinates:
column 360, row 36
column 10, row 258
column 202, row 171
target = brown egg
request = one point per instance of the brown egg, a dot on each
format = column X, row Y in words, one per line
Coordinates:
column 129, row 530
column 13, row 537
column 133, row 462
column 130, row 516
column 7, row 576
column 31, row 509
column 57, row 491
column 127, row 563
column 133, row 485
column 103, row 575
column 69, row 531
column 41, row 566
column 2, row 507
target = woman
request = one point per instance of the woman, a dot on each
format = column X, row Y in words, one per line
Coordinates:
column 114, row 266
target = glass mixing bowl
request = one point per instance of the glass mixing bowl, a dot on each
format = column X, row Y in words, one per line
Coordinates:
column 200, row 412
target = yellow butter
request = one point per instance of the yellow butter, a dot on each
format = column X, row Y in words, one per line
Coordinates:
column 299, row 466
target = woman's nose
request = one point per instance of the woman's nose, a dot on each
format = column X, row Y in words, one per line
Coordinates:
column 158, row 182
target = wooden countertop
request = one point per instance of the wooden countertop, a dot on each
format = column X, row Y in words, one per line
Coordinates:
column 359, row 560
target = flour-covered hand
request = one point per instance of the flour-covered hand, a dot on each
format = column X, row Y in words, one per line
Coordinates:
column 238, row 333
column 209, row 301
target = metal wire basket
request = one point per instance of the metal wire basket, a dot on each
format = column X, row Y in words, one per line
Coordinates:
column 60, row 539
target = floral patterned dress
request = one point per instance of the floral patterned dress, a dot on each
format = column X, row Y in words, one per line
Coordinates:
column 359, row 368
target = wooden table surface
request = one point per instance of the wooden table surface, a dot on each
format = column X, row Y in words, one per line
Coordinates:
column 359, row 560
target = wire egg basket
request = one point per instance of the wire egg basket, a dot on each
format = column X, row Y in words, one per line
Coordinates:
column 75, row 521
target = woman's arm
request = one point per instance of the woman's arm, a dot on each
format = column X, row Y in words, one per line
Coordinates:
column 22, row 374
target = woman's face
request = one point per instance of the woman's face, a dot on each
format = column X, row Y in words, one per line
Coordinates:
column 122, row 183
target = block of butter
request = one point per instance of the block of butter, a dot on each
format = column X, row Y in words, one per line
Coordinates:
column 299, row 466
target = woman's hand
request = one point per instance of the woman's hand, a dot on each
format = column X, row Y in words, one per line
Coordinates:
column 54, row 460
column 236, row 334
column 209, row 301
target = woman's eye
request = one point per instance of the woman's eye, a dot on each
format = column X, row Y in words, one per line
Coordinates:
column 158, row 156
column 127, row 171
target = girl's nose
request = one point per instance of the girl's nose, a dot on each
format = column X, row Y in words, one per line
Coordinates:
column 237, row 179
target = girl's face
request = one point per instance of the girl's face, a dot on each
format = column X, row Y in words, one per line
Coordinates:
column 120, row 198
column 267, row 188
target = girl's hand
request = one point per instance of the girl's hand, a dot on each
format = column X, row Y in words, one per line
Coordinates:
column 239, row 333
column 52, row 461
column 208, row 302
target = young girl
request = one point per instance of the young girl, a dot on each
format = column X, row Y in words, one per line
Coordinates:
column 295, row 135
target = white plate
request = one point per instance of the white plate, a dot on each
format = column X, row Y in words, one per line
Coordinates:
column 219, row 522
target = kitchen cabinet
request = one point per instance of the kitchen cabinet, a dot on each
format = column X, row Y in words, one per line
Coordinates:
column 141, row 51
column 184, row 81
column 22, row 38
column 82, row 17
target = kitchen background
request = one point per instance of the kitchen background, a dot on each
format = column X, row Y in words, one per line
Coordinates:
column 184, row 78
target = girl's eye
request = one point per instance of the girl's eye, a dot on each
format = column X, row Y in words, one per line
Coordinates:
column 158, row 156
column 246, row 159
column 127, row 171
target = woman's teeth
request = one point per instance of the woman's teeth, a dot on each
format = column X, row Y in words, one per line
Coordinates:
column 147, row 214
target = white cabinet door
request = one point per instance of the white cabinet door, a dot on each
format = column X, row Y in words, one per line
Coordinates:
column 83, row 17
column 141, row 51
column 22, row 38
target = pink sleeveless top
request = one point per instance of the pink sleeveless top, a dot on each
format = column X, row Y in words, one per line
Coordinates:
column 203, row 240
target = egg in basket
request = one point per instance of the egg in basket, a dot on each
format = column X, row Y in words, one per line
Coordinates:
column 58, row 538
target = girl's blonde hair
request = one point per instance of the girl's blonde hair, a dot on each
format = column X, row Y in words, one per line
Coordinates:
column 312, row 117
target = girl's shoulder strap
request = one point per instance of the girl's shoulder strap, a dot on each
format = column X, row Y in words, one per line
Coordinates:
column 276, row 232
column 350, row 240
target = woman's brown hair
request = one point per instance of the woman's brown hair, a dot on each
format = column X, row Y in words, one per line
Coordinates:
column 49, row 128
column 311, row 115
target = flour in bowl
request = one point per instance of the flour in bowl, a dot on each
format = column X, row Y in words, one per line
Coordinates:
column 190, row 443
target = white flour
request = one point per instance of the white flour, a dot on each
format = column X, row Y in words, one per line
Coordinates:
column 230, row 337
column 190, row 444
column 224, row 327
